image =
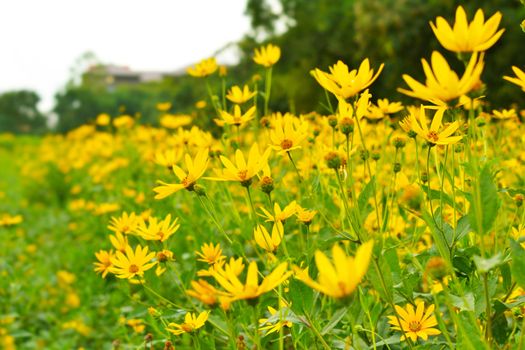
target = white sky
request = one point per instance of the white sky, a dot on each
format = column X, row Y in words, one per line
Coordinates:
column 41, row 39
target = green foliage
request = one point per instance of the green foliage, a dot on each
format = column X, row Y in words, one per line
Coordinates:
column 19, row 112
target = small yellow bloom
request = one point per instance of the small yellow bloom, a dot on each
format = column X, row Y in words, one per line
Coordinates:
column 126, row 223
column 238, row 96
column 158, row 230
column 342, row 277
column 278, row 213
column 505, row 114
column 415, row 324
column 275, row 326
column 442, row 83
column 191, row 323
column 163, row 106
column 203, row 68
column 195, row 169
column 251, row 289
column 104, row 264
column 519, row 79
column 288, row 133
column 119, row 241
column 133, row 263
column 267, row 56
column 237, row 118
column 464, row 37
column 267, row 242
column 433, row 135
column 210, row 254
column 8, row 220
column 204, row 292
column 244, row 169
column 344, row 83
column 304, row 215
column 174, row 121
column 123, row 122
column 103, row 119
column 201, row 104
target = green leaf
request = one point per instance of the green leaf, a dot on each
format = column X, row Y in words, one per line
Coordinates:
column 500, row 326
column 438, row 237
column 338, row 316
column 485, row 265
column 385, row 274
column 469, row 335
column 364, row 197
column 518, row 262
column 483, row 212
column 301, row 297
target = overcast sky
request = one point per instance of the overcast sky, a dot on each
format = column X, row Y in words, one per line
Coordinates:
column 41, row 39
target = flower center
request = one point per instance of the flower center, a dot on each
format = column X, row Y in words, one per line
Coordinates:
column 187, row 327
column 242, row 174
column 160, row 234
column 133, row 268
column 433, row 136
column 185, row 182
column 414, row 326
column 286, row 144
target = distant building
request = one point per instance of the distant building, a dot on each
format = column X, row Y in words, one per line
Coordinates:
column 113, row 75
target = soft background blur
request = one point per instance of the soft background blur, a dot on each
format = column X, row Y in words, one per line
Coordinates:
column 64, row 62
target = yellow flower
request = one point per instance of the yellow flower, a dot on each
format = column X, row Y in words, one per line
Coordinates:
column 163, row 106
column 238, row 96
column 195, row 169
column 104, row 264
column 174, row 121
column 133, row 263
column 191, row 323
column 244, row 170
column 237, row 118
column 123, row 122
column 279, row 320
column 387, row 107
column 103, row 119
column 415, row 324
column 251, row 289
column 168, row 157
column 204, row 292
column 159, row 230
column 433, row 135
column 8, row 220
column 267, row 56
column 443, row 84
column 278, row 213
column 210, row 254
column 267, row 242
column 519, row 79
column 203, row 68
column 304, row 215
column 287, row 134
column 505, row 114
column 342, row 277
column 126, row 223
column 119, row 241
column 464, row 37
column 136, row 324
column 344, row 83
column 201, row 104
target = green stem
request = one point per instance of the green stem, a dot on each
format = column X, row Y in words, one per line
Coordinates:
column 267, row 89
column 295, row 167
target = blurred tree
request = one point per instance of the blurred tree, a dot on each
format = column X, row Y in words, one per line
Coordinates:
column 19, row 112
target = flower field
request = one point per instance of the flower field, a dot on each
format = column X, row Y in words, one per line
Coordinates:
column 371, row 225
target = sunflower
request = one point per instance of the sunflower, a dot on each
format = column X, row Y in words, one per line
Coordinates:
column 414, row 324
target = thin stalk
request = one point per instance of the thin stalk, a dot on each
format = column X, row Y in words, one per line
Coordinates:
column 267, row 89
column 295, row 167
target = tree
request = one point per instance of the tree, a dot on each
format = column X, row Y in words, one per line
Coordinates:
column 19, row 112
